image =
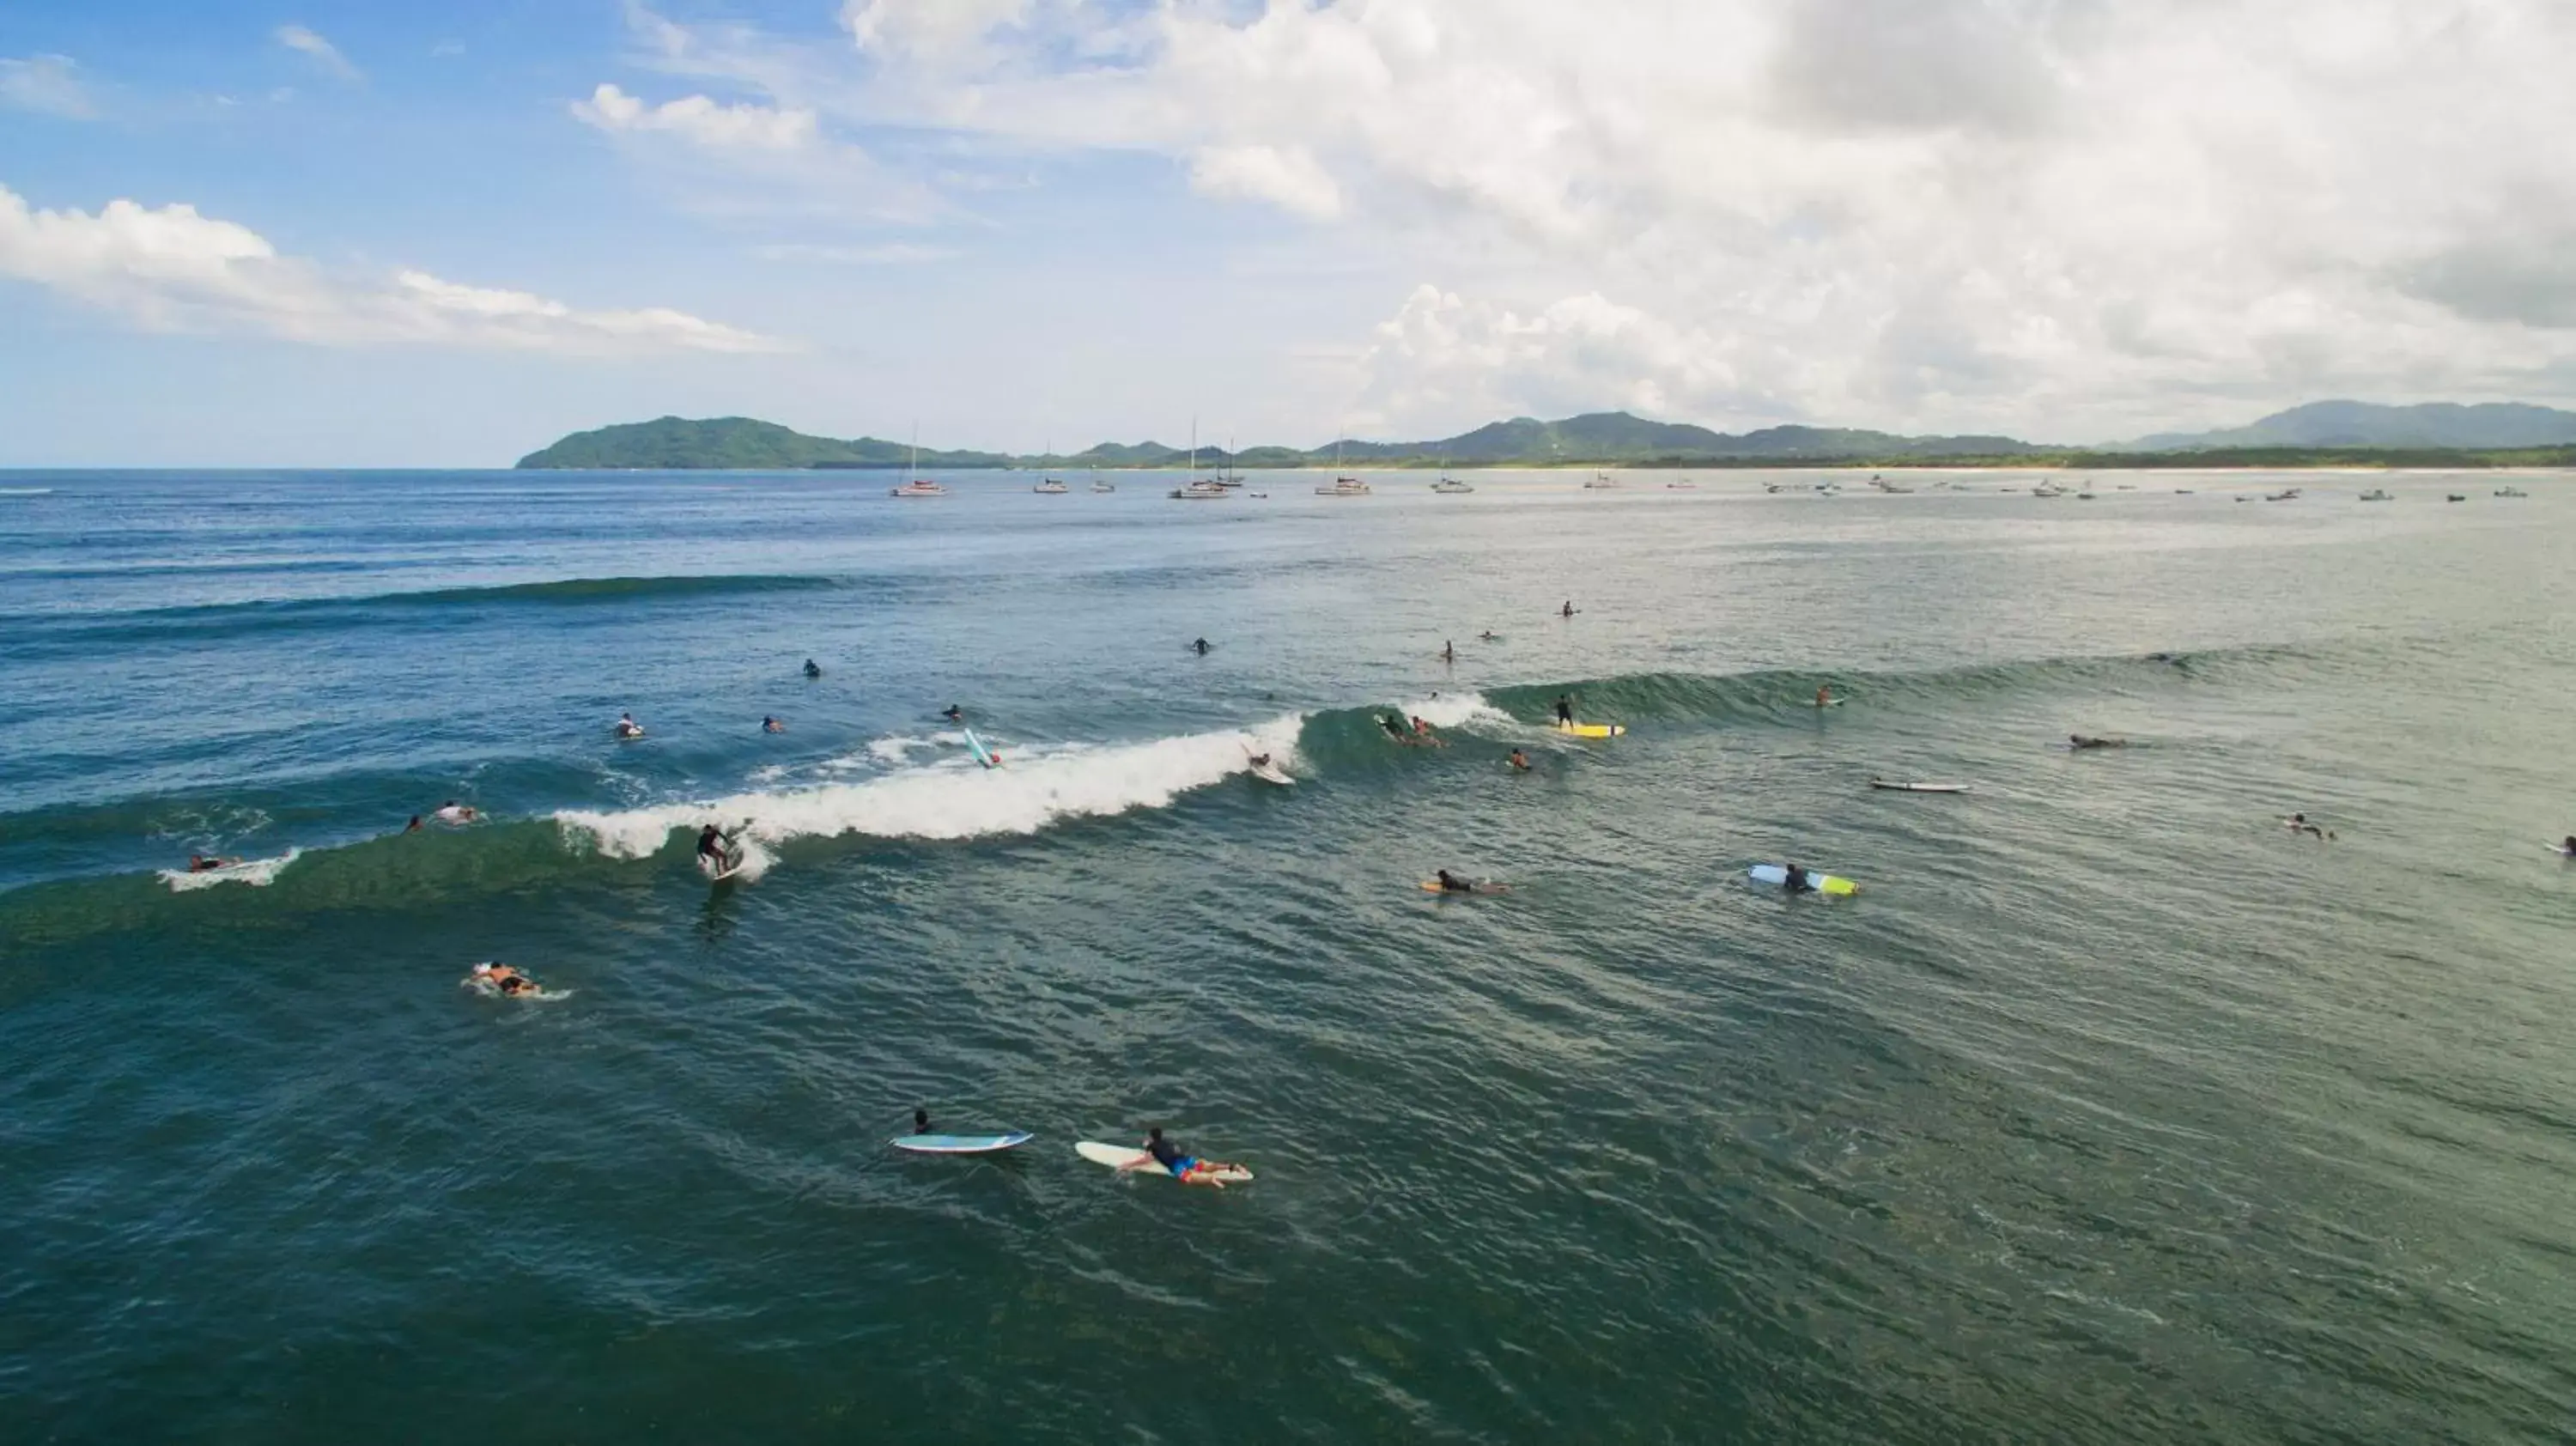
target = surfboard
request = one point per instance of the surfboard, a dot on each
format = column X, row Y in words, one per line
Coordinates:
column 2561, row 851
column 1828, row 703
column 624, row 736
column 1119, row 1156
column 1777, row 875
column 1881, row 783
column 1483, row 886
column 1269, row 773
column 982, row 754
column 1592, row 730
column 960, row 1144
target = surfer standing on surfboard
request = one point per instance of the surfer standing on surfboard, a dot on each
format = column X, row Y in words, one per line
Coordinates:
column 1565, row 707
column 715, row 849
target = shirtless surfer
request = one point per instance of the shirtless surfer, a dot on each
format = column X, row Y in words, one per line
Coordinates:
column 1187, row 1168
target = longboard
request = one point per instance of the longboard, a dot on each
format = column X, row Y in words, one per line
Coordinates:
column 1592, row 730
column 1777, row 876
column 1881, row 783
column 1119, row 1156
column 718, row 876
column 960, row 1144
column 1269, row 773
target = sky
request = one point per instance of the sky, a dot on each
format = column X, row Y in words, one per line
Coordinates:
column 334, row 233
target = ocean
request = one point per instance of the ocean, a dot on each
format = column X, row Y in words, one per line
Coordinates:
column 2109, row 1109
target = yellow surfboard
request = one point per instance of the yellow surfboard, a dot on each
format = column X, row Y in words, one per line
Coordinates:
column 1592, row 730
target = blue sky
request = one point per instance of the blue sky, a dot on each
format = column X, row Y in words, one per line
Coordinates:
column 338, row 234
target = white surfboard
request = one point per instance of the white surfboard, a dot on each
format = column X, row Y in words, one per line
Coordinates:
column 718, row 876
column 1777, row 875
column 1269, row 773
column 1881, row 783
column 1118, row 1157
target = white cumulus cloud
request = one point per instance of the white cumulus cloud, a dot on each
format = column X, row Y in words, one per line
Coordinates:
column 700, row 120
column 2072, row 218
column 172, row 269
column 322, row 52
column 46, row 84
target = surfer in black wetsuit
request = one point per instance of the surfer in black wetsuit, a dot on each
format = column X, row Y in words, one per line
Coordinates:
column 715, row 848
column 1569, row 608
column 954, row 714
column 1200, row 647
column 1396, row 729
column 921, row 1122
column 1448, row 651
column 1797, row 883
column 770, row 724
column 2079, row 742
column 1187, row 1168
column 813, row 669
column 1565, row 707
column 2569, row 847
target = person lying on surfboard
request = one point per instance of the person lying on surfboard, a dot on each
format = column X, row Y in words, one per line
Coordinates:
column 1188, row 1169
column 770, row 724
column 627, row 727
column 1393, row 723
column 503, row 979
column 2079, row 742
column 1519, row 761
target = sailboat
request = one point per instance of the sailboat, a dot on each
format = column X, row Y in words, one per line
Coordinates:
column 1194, row 490
column 916, row 486
column 1447, row 483
column 1343, row 486
column 1099, row 486
column 1054, row 486
column 1601, row 481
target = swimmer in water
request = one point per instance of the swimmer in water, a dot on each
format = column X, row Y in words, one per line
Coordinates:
column 771, row 725
column 813, row 669
column 1187, row 1168
column 954, row 714
column 627, row 727
column 921, row 1122
column 1519, row 761
column 502, row 979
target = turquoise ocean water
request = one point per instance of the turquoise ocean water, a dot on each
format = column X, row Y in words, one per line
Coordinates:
column 2109, row 1110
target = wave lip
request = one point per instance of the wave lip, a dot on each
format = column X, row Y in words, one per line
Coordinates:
column 258, row 873
column 952, row 799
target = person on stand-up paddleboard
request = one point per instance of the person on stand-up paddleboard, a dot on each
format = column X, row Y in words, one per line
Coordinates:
column 1569, row 607
column 1186, row 1168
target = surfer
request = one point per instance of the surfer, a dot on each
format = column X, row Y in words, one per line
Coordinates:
column 1489, row 636
column 627, row 727
column 1797, row 883
column 714, row 847
column 503, row 979
column 1448, row 651
column 2079, row 742
column 1565, row 707
column 454, row 812
column 1186, row 1168
column 1393, row 723
column 1200, row 647
column 769, row 724
column 2569, row 846
column 954, row 714
column 2298, row 823
column 813, row 669
column 1824, row 695
column 414, row 825
column 208, row 863
column 1568, row 610
column 921, row 1122
column 1261, row 760
column 1519, row 761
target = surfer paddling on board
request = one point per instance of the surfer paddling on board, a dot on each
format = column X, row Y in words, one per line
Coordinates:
column 1186, row 1168
column 715, row 849
column 1489, row 636
column 1422, row 733
column 2298, row 823
column 500, row 978
column 627, row 727
column 1519, row 761
column 2078, row 742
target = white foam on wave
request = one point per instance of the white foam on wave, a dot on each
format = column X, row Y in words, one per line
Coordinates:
column 948, row 799
column 258, row 873
column 1454, row 710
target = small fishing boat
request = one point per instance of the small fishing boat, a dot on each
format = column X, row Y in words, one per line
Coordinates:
column 1451, row 485
column 1053, row 486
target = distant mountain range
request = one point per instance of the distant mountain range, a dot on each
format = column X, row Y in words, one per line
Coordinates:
column 2360, row 424
column 2398, row 435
